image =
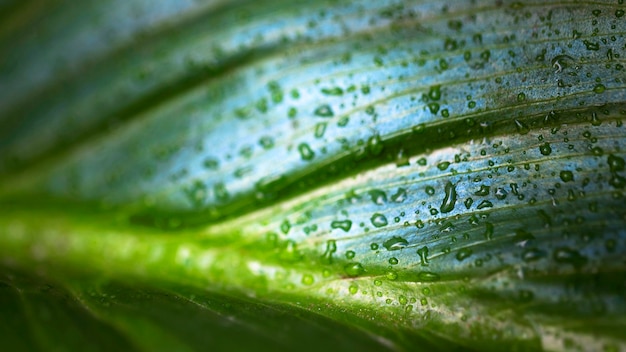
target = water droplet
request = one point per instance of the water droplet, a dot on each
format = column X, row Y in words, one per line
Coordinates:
column 378, row 197
column 353, row 289
column 617, row 181
column 402, row 300
column 450, row 198
column 307, row 279
column 427, row 276
column 324, row 111
column 332, row 91
column 374, row 246
column 350, row 254
column 488, row 231
column 501, row 193
column 375, row 145
column 378, row 282
column 435, row 92
column 463, row 253
column 393, row 260
column 532, row 254
column 468, row 202
column 433, row 107
column 391, row 275
column 399, row 196
column 599, row 88
column 566, row 176
column 423, row 253
column 320, row 129
column 443, row 165
column 305, row 152
column 545, row 149
column 429, row 190
column 521, row 97
column 569, row 256
column 395, row 243
column 615, row 163
column 341, row 224
column 285, row 226
column 484, row 204
column 483, row 191
column 378, row 220
column 354, row 269
column 221, row 194
column 331, row 247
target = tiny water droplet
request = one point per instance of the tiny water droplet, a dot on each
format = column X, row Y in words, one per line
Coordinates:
column 393, row 260
column 350, row 254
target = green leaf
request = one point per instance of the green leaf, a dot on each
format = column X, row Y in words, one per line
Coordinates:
column 313, row 175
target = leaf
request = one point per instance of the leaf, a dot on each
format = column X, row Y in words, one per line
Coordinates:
column 413, row 174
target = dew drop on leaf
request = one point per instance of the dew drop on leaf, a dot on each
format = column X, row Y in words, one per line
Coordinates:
column 615, row 163
column 567, row 255
column 395, row 243
column 599, row 88
column 354, row 269
column 463, row 253
column 423, row 253
column 378, row 220
column 545, row 149
column 378, row 197
column 566, row 176
column 427, row 276
column 341, row 224
column 324, row 111
column 449, row 199
column 306, row 153
column 532, row 254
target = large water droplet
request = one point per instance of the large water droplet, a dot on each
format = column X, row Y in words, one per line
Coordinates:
column 395, row 243
column 450, row 198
